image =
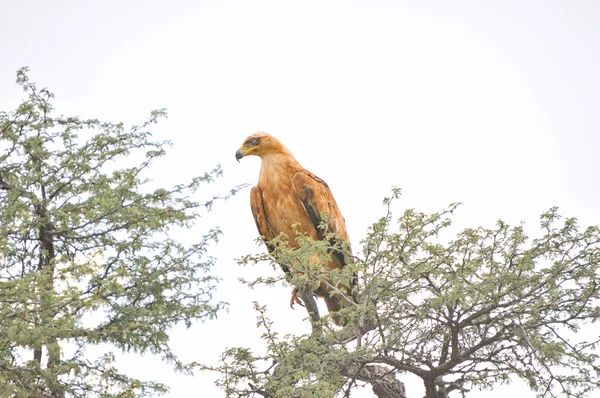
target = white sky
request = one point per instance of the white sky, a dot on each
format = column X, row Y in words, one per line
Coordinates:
column 492, row 103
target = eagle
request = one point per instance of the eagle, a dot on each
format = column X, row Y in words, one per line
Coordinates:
column 289, row 199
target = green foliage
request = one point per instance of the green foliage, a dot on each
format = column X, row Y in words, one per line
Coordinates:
column 85, row 252
column 464, row 314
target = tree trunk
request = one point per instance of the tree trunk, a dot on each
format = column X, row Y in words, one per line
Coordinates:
column 431, row 390
column 47, row 297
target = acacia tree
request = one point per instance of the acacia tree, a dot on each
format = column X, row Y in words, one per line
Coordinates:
column 85, row 252
column 467, row 314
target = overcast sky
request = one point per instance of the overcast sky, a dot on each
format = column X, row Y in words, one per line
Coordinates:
column 495, row 104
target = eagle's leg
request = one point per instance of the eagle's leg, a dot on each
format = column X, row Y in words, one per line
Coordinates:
column 295, row 299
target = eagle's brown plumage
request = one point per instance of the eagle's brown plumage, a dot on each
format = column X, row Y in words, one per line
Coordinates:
column 286, row 195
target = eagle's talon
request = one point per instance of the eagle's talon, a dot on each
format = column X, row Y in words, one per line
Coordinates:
column 295, row 299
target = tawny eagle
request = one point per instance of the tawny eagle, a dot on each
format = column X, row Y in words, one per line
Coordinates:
column 288, row 195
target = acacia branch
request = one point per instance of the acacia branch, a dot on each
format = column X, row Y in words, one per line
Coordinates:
column 381, row 378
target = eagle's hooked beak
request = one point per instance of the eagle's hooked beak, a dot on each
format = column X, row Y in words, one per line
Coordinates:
column 239, row 154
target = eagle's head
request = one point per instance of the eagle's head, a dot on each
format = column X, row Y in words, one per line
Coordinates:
column 259, row 144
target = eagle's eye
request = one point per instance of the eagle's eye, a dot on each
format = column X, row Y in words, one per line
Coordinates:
column 254, row 141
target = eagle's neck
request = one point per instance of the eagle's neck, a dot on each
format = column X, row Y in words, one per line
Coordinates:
column 277, row 168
